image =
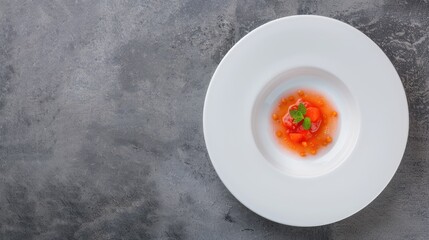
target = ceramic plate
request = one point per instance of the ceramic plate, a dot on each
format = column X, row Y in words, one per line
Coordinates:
column 335, row 59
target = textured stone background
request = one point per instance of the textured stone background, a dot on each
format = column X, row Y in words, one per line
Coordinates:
column 101, row 119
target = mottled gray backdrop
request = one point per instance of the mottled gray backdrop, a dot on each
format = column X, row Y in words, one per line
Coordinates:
column 101, row 119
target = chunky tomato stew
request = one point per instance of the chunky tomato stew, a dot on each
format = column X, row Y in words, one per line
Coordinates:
column 304, row 122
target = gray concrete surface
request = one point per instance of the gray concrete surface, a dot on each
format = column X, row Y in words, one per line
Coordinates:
column 101, row 119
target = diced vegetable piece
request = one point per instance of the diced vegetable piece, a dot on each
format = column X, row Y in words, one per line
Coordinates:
column 296, row 137
column 313, row 113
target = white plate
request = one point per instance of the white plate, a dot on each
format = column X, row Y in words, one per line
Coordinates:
column 310, row 52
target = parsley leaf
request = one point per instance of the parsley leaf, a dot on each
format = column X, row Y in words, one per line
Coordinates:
column 302, row 108
column 296, row 115
column 307, row 123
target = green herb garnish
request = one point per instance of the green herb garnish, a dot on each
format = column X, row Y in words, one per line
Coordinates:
column 302, row 108
column 307, row 123
column 298, row 116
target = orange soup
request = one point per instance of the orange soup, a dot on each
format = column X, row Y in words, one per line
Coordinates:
column 304, row 122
